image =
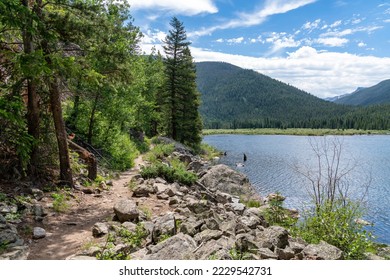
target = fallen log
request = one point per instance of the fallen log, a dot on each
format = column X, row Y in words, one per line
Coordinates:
column 87, row 156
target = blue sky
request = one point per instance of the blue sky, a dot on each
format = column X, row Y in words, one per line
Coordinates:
column 326, row 47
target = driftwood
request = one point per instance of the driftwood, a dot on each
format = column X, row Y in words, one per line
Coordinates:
column 87, row 156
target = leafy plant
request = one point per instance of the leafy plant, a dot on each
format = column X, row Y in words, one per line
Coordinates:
column 169, row 173
column 336, row 224
column 276, row 214
column 236, row 254
column 133, row 238
column 60, row 202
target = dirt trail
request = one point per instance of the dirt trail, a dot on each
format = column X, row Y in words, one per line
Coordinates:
column 68, row 232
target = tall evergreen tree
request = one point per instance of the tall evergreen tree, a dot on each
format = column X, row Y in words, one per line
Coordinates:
column 181, row 99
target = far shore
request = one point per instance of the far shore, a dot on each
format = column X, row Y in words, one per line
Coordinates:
column 295, row 131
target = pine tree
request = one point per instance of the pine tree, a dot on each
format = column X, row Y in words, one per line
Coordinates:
column 181, row 99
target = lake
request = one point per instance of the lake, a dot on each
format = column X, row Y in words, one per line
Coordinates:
column 274, row 163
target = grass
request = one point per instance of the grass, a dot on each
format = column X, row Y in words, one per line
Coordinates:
column 295, row 131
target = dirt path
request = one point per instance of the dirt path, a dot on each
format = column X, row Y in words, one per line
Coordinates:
column 68, row 232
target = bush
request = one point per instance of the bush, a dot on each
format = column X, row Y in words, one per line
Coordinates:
column 123, row 152
column 159, row 152
column 337, row 226
column 169, row 173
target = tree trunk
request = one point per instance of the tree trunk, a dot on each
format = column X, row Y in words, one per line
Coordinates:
column 88, row 157
column 59, row 124
column 33, row 118
column 92, row 121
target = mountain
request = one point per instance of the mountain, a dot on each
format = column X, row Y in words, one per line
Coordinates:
column 378, row 94
column 233, row 97
column 335, row 98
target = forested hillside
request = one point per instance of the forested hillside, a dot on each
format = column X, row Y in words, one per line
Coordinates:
column 233, row 97
column 375, row 95
column 72, row 75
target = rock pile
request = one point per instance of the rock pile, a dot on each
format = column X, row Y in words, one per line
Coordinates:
column 207, row 221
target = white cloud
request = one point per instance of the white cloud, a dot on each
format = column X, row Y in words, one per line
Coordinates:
column 271, row 7
column 350, row 31
column 312, row 25
column 323, row 74
column 332, row 41
column 153, row 37
column 386, row 20
column 336, row 23
column 281, row 41
column 362, row 45
column 235, row 40
column 183, row 7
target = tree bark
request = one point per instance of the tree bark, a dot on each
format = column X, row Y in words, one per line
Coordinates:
column 33, row 115
column 88, row 157
column 59, row 124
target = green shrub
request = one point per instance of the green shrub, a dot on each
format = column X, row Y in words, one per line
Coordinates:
column 276, row 214
column 337, row 225
column 169, row 173
column 208, row 152
column 159, row 152
column 123, row 152
column 60, row 202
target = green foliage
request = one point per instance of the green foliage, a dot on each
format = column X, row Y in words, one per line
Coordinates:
column 337, row 226
column 237, row 254
column 60, row 201
column 180, row 98
column 134, row 239
column 378, row 94
column 13, row 132
column 171, row 174
column 159, row 152
column 208, row 152
column 163, row 237
column 237, row 98
column 276, row 214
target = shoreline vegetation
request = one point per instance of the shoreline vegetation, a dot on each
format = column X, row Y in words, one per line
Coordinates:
column 295, row 131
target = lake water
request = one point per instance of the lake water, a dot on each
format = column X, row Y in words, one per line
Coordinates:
column 273, row 161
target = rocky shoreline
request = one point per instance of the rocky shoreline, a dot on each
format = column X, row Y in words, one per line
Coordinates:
column 204, row 221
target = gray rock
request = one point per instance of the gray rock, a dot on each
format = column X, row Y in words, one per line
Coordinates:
column 235, row 207
column 207, row 235
column 164, row 225
column 144, row 190
column 2, row 219
column 129, row 226
column 266, row 254
column 195, row 166
column 8, row 209
column 285, row 254
column 126, row 210
column 223, row 197
column 162, row 196
column 228, row 227
column 191, row 227
column 39, row 212
column 246, row 242
column 37, row 193
column 8, row 236
column 373, row 257
column 223, row 178
column 178, row 247
column 212, row 224
column 99, row 229
column 174, row 200
column 322, row 251
column 15, row 253
column 297, row 245
column 109, row 183
column 278, row 236
column 215, row 248
column 198, row 206
column 39, row 233
column 252, row 221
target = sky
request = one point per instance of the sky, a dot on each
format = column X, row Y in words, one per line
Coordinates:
column 325, row 47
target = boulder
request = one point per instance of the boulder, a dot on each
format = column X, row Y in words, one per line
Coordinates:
column 99, row 229
column 126, row 210
column 215, row 248
column 223, row 178
column 15, row 253
column 144, row 190
column 37, row 193
column 195, row 166
column 178, row 247
column 165, row 225
column 39, row 233
column 322, row 251
column 222, row 197
column 198, row 206
column 266, row 254
column 277, row 235
column 252, row 221
column 207, row 235
column 235, row 207
column 2, row 219
column 285, row 254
